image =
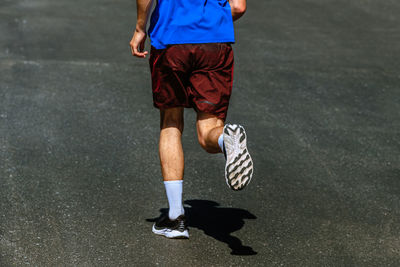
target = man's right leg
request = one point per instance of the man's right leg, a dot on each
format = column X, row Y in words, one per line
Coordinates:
column 172, row 166
column 170, row 146
column 231, row 139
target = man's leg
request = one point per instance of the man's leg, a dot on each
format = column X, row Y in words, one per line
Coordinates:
column 170, row 146
column 214, row 137
column 171, row 158
column 172, row 165
column 209, row 130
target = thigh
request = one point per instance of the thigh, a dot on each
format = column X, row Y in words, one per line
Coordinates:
column 212, row 77
column 170, row 78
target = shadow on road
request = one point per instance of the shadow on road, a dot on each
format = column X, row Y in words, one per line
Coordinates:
column 217, row 222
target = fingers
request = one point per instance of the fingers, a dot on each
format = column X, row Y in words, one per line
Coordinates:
column 141, row 46
column 136, row 52
column 141, row 54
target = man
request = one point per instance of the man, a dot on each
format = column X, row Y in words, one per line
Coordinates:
column 191, row 64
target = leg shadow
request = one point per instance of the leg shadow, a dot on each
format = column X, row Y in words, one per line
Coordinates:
column 218, row 222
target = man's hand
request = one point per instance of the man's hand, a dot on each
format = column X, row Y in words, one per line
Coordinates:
column 238, row 7
column 137, row 44
column 139, row 37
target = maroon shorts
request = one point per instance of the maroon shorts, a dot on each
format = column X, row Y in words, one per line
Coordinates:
column 193, row 75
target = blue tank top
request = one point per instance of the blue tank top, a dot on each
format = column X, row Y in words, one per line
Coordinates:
column 191, row 22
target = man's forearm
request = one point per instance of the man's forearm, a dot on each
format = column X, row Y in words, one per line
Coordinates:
column 143, row 11
column 238, row 7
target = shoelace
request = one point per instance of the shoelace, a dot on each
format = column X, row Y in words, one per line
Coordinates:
column 181, row 226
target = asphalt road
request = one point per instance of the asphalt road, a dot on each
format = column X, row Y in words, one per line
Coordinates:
column 316, row 86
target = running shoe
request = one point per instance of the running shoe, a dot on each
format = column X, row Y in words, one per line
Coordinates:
column 171, row 228
column 239, row 166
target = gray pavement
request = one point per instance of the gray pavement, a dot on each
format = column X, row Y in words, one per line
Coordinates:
column 316, row 86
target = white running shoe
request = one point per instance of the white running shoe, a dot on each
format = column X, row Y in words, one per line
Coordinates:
column 171, row 228
column 239, row 166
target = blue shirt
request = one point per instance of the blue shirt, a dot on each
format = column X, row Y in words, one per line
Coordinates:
column 191, row 22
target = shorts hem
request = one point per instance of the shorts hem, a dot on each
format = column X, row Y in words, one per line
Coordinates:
column 220, row 115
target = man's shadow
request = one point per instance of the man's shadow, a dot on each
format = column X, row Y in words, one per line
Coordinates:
column 217, row 222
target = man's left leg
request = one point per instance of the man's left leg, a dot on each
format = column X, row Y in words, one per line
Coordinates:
column 173, row 224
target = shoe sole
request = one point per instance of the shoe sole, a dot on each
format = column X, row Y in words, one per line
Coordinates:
column 171, row 233
column 239, row 169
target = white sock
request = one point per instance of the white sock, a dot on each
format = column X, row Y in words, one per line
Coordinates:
column 221, row 142
column 174, row 195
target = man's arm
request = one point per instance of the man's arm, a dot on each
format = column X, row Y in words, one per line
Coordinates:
column 139, row 37
column 238, row 7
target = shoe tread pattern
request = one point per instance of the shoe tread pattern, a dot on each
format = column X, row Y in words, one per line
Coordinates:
column 239, row 166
